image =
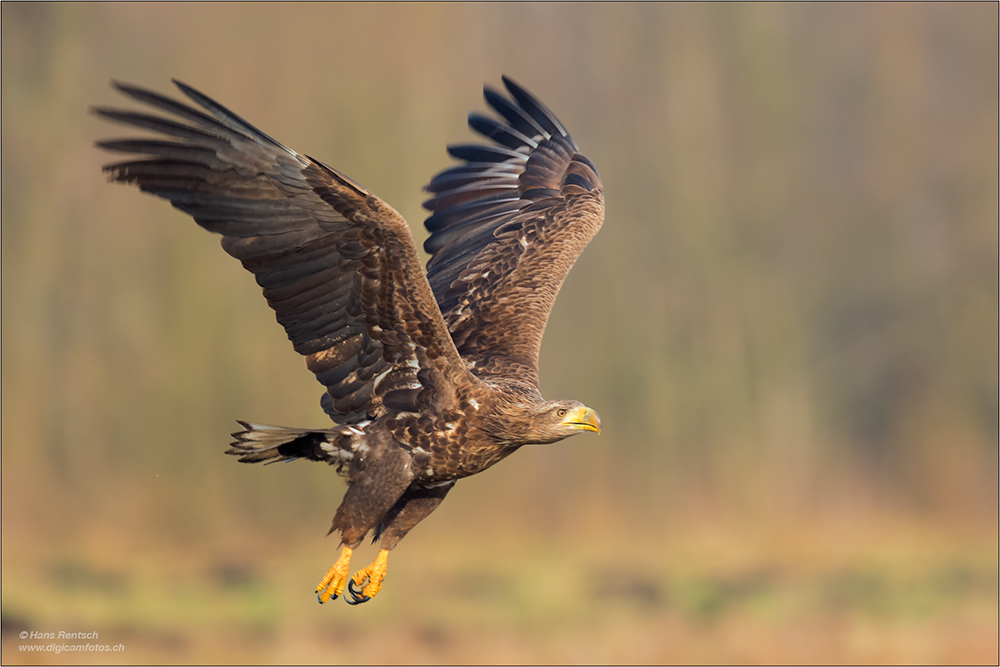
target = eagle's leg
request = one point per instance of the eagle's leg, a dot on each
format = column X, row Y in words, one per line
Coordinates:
column 333, row 583
column 373, row 494
column 374, row 574
column 412, row 508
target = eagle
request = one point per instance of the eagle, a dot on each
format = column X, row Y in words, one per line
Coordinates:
column 430, row 376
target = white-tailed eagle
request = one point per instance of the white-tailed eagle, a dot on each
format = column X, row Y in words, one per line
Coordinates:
column 430, row 376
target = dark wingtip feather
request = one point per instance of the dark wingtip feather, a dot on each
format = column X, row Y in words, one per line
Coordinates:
column 121, row 86
column 483, row 153
column 518, row 118
column 534, row 107
column 226, row 115
column 499, row 132
column 127, row 88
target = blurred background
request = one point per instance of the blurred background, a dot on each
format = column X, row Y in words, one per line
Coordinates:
column 788, row 324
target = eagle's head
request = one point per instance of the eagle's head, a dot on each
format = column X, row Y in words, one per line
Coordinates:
column 551, row 421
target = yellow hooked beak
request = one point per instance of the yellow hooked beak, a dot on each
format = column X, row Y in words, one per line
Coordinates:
column 583, row 419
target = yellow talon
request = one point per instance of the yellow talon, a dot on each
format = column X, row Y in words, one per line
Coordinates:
column 333, row 583
column 374, row 573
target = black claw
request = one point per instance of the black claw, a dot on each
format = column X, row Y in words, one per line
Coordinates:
column 358, row 596
column 319, row 596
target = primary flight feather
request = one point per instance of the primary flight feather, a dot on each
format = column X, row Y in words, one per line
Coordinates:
column 430, row 377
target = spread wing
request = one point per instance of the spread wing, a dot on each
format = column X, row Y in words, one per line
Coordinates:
column 337, row 265
column 507, row 226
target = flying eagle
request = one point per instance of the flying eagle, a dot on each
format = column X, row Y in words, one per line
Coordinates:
column 430, row 377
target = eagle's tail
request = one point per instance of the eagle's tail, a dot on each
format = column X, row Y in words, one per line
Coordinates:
column 262, row 442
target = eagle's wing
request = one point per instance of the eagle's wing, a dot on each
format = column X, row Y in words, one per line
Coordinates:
column 506, row 228
column 338, row 265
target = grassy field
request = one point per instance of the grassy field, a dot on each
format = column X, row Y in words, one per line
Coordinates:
column 838, row 593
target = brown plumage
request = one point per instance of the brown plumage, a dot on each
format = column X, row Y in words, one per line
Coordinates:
column 429, row 377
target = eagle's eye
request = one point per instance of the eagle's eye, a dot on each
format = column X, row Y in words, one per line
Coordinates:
column 561, row 412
